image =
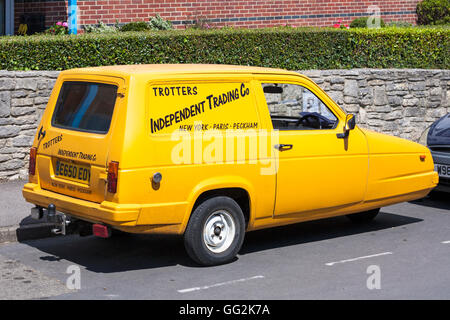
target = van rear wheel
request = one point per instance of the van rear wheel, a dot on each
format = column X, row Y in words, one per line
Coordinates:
column 215, row 231
column 365, row 216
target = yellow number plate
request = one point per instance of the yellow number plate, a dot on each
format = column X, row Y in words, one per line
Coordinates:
column 73, row 172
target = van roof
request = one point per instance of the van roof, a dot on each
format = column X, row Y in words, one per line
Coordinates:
column 154, row 69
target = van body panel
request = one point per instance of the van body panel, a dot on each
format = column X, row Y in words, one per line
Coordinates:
column 86, row 154
column 318, row 157
column 397, row 167
column 105, row 212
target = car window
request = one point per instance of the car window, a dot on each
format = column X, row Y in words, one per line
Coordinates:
column 294, row 107
column 85, row 106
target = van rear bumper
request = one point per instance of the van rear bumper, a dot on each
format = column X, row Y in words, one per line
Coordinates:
column 107, row 212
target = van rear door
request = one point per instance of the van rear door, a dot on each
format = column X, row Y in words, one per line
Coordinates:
column 72, row 157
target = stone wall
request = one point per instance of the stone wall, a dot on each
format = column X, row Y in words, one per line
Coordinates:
column 23, row 97
column 401, row 102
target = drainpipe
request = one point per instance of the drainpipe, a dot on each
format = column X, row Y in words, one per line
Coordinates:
column 72, row 16
column 9, row 17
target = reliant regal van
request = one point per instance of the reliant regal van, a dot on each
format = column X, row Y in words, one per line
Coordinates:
column 209, row 152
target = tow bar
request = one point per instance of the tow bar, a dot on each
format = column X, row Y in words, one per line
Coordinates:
column 60, row 220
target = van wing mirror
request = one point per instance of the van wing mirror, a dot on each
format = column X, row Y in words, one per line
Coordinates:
column 350, row 124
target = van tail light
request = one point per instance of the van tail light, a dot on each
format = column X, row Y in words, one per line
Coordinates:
column 113, row 171
column 32, row 163
column 100, row 230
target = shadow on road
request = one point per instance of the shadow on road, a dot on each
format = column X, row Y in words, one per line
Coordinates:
column 319, row 230
column 117, row 254
column 134, row 252
column 438, row 200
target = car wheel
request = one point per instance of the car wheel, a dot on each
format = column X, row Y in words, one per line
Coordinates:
column 365, row 216
column 437, row 195
column 215, row 232
column 119, row 233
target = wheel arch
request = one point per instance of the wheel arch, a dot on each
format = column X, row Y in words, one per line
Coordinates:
column 237, row 189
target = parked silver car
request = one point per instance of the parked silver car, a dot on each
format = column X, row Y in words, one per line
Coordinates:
column 438, row 141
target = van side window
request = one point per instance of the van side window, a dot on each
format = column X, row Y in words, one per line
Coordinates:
column 294, row 107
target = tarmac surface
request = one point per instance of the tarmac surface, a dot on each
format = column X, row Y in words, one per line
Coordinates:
column 403, row 254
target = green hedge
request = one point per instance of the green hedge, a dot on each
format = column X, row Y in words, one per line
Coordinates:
column 288, row 48
column 434, row 12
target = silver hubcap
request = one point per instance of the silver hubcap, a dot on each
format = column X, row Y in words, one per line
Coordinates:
column 219, row 231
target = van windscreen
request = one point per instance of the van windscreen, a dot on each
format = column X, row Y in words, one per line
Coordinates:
column 85, row 106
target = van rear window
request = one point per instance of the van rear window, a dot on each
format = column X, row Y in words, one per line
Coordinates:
column 85, row 106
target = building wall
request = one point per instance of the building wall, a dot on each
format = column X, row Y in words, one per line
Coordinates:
column 244, row 13
column 401, row 102
column 239, row 13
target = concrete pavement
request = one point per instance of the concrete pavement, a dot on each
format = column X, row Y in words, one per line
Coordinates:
column 15, row 221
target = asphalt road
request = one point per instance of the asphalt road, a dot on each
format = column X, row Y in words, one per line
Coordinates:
column 403, row 254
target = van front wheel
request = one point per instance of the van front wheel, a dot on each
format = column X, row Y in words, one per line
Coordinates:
column 215, row 231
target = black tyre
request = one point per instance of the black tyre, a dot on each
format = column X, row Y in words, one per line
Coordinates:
column 119, row 233
column 437, row 195
column 215, row 232
column 365, row 216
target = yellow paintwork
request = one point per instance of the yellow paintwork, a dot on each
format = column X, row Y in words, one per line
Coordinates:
column 322, row 176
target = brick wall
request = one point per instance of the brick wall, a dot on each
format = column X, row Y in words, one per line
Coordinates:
column 240, row 13
column 244, row 13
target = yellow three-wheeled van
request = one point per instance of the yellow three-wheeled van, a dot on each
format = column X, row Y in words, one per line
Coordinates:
column 209, row 152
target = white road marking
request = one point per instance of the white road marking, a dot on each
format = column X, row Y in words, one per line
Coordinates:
column 358, row 258
column 219, row 284
column 445, row 242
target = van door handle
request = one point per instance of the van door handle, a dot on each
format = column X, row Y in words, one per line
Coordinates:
column 283, row 147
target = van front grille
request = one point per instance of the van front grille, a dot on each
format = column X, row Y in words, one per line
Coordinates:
column 444, row 181
column 445, row 149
